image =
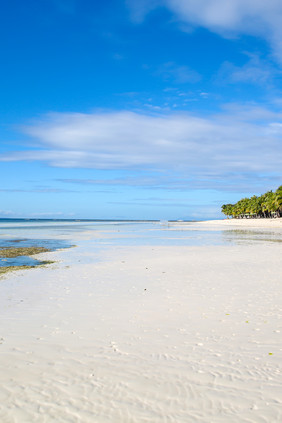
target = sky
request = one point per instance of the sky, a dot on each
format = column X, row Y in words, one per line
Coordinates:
column 138, row 109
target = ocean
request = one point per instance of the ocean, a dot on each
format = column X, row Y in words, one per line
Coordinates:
column 100, row 234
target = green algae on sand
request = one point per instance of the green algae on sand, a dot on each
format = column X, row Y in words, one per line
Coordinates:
column 20, row 254
column 10, row 252
column 6, row 269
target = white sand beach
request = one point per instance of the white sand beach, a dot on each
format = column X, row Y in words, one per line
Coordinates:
column 247, row 223
column 146, row 334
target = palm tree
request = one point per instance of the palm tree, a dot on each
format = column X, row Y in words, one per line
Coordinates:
column 278, row 200
column 268, row 204
column 255, row 208
column 271, row 203
column 227, row 209
column 264, row 204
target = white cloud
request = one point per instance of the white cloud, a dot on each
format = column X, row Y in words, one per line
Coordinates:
column 255, row 71
column 6, row 213
column 139, row 9
column 226, row 17
column 227, row 181
column 240, row 140
column 178, row 74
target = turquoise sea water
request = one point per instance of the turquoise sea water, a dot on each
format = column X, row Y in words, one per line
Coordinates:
column 128, row 232
column 98, row 234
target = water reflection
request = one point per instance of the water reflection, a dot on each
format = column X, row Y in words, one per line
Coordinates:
column 241, row 236
column 103, row 234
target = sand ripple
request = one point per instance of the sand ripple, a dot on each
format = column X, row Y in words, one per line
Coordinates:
column 163, row 336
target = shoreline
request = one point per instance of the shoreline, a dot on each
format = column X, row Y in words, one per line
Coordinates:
column 247, row 223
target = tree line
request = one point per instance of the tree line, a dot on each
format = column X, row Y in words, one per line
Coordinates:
column 265, row 206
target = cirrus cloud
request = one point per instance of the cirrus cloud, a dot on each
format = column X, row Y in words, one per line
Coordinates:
column 227, row 18
column 240, row 140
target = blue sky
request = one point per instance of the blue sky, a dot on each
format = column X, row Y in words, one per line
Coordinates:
column 138, row 108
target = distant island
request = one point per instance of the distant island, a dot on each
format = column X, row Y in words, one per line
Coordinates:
column 268, row 205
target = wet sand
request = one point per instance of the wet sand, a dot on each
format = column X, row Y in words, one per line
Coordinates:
column 145, row 334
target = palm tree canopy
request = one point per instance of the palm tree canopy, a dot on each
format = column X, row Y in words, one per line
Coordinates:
column 266, row 205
